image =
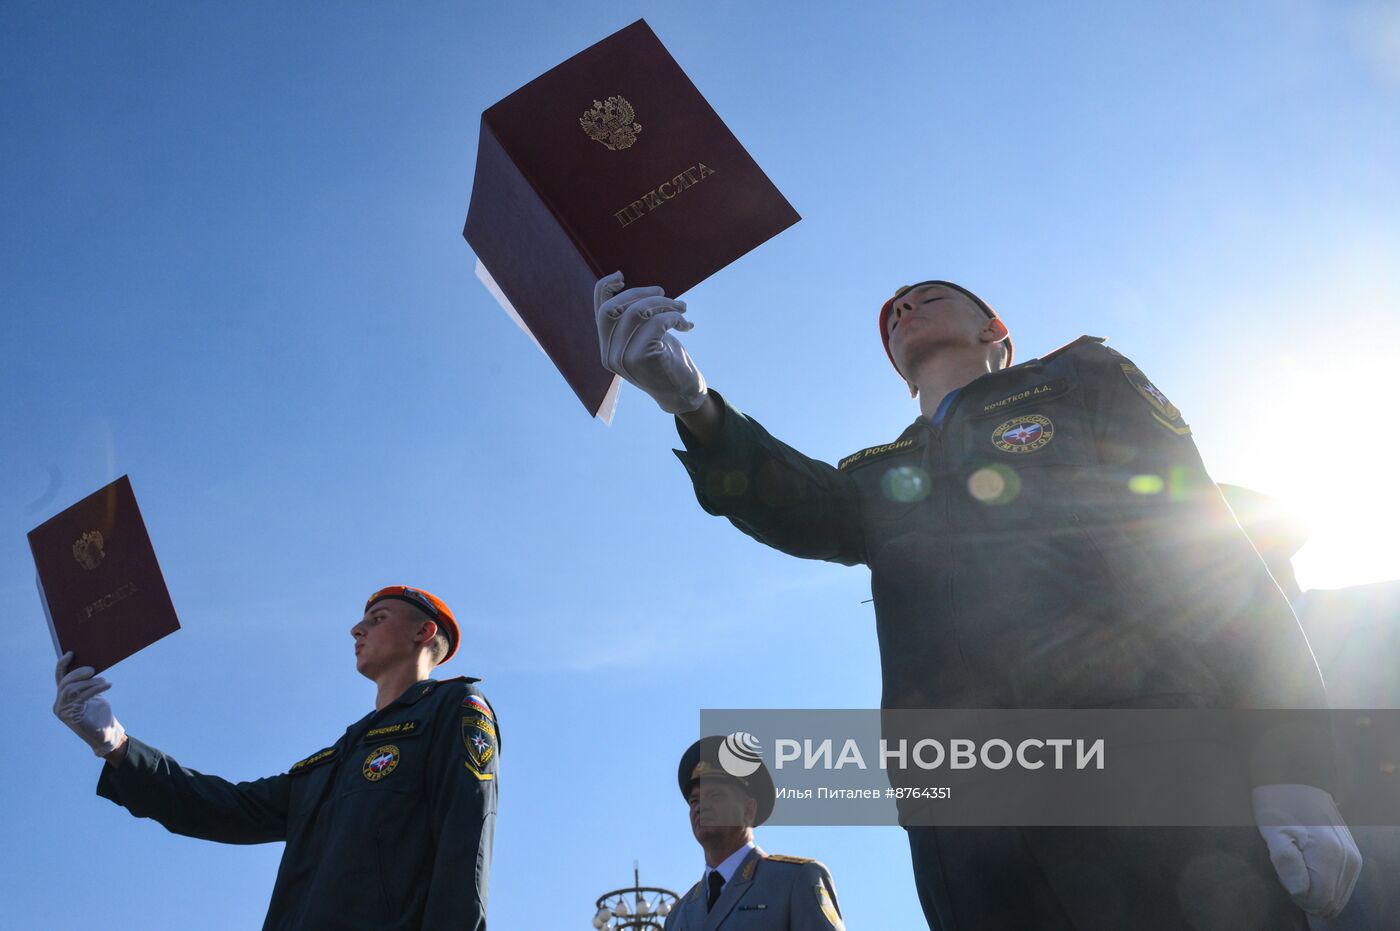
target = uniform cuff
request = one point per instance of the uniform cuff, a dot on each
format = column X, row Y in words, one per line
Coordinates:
column 719, row 469
column 727, row 438
column 140, row 759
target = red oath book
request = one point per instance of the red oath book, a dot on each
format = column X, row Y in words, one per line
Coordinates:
column 99, row 580
column 611, row 161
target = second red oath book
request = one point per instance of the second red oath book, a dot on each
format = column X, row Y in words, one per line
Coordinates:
column 102, row 588
column 611, row 161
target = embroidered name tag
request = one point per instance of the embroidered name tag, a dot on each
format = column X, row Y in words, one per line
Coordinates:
column 398, row 731
column 752, row 908
column 874, row 452
column 1035, row 393
column 312, row 761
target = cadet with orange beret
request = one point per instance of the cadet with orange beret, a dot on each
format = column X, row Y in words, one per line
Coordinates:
column 390, row 827
column 1043, row 535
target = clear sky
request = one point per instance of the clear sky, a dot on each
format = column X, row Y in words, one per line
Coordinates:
column 232, row 268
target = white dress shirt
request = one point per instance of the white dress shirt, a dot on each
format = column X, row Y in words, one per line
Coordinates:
column 726, row 869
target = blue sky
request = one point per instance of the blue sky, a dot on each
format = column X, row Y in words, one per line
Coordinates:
column 232, row 268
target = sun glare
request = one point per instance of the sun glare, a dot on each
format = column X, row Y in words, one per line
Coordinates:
column 1331, row 455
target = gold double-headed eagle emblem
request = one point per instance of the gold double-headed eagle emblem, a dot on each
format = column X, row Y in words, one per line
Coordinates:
column 612, row 122
column 88, row 550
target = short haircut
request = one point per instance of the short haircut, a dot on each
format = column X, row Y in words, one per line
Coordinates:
column 439, row 645
column 1005, row 354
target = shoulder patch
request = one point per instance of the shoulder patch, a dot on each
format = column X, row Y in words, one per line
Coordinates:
column 312, row 761
column 1082, row 341
column 479, row 739
column 875, row 452
column 784, row 858
column 478, row 704
column 1163, row 411
column 828, row 907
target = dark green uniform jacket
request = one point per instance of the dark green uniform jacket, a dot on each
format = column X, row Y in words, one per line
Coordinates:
column 389, row 828
column 1056, row 544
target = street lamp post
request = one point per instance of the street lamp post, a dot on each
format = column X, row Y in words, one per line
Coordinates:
column 637, row 908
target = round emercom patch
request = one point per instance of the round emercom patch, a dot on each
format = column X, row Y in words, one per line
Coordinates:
column 381, row 762
column 1025, row 434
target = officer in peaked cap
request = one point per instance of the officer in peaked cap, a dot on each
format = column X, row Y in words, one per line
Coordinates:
column 389, row 827
column 744, row 887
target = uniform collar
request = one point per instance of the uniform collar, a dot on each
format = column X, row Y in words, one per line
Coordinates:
column 420, row 690
column 734, row 890
column 730, row 865
column 945, row 405
column 945, row 408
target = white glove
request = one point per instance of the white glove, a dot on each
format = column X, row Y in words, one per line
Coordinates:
column 80, row 706
column 1311, row 848
column 635, row 341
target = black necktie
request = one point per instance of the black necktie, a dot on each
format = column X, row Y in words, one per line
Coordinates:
column 716, row 883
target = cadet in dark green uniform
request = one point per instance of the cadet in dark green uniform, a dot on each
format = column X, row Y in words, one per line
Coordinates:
column 1044, row 535
column 390, row 827
column 744, row 887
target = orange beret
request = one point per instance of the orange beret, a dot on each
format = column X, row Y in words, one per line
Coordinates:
column 431, row 605
column 889, row 305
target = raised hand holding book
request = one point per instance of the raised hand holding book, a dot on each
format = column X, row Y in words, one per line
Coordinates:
column 612, row 161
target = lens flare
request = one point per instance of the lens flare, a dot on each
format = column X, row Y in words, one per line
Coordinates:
column 906, row 484
column 994, row 484
column 1146, row 484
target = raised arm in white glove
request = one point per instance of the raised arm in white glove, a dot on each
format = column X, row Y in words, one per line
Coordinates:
column 79, row 705
column 636, row 342
column 1311, row 848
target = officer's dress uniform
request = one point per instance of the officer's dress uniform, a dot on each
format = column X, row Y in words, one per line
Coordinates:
column 389, row 828
column 765, row 892
column 1054, row 543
